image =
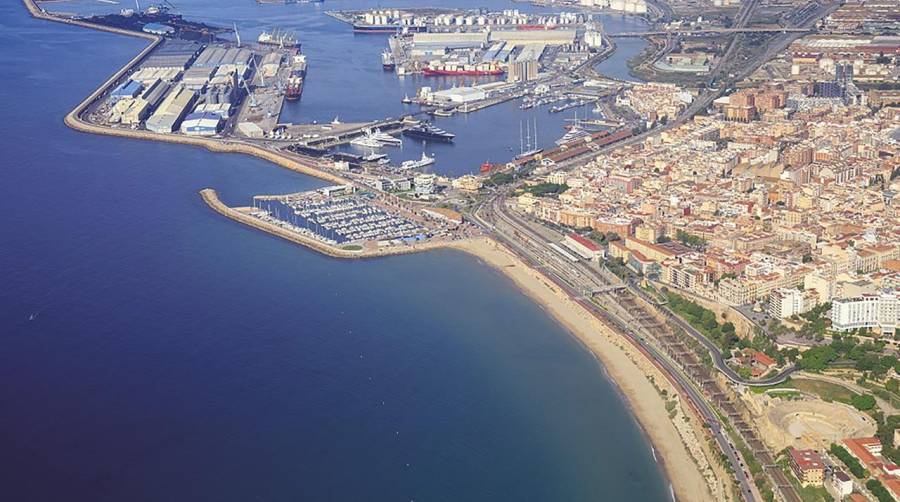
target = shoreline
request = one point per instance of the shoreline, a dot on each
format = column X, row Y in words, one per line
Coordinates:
column 628, row 370
column 634, row 377
column 618, row 360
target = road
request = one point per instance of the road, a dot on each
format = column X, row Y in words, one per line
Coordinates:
column 574, row 278
column 714, row 351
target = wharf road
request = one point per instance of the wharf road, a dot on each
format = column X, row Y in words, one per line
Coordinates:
column 531, row 248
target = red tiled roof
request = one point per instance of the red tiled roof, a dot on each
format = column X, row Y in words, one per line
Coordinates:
column 857, row 447
column 893, row 486
column 585, row 242
column 763, row 359
column 807, row 459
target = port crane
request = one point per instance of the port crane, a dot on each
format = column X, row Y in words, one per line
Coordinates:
column 253, row 103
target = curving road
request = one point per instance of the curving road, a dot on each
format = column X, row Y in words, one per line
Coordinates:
column 714, row 351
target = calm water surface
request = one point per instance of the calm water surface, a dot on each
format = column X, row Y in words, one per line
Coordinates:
column 175, row 355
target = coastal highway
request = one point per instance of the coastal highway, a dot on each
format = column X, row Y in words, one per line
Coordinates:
column 490, row 215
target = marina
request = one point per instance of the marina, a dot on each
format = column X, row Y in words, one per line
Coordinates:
column 338, row 218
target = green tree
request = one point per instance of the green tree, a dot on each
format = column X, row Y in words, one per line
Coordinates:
column 863, row 402
column 816, row 358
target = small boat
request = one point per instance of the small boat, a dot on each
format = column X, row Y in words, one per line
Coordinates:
column 406, row 100
column 375, row 157
column 442, row 112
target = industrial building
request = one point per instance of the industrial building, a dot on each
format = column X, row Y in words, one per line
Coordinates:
column 173, row 54
column 196, row 78
column 250, row 130
column 169, row 114
column 522, row 71
column 271, row 62
column 134, row 110
column 202, row 124
column 158, row 29
column 221, row 109
column 527, row 37
column 233, row 59
column 148, row 75
column 459, row 95
column 128, row 89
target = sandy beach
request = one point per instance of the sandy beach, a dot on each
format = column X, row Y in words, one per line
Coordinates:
column 623, row 366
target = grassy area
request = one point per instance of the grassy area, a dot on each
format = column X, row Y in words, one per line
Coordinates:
column 826, row 390
column 812, row 493
column 787, row 384
column 785, row 393
column 352, row 247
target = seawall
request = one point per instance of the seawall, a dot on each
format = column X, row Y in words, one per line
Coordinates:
column 240, row 215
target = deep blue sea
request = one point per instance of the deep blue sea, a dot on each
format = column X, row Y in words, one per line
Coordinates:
column 175, row 355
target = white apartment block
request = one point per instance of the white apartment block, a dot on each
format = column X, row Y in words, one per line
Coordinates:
column 785, row 302
column 881, row 312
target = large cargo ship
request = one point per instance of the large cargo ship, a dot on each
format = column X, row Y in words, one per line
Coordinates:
column 279, row 38
column 375, row 28
column 294, row 87
column 387, row 60
column 428, row 132
column 462, row 69
column 389, row 27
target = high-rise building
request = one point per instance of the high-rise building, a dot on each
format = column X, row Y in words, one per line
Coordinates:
column 843, row 73
column 881, row 312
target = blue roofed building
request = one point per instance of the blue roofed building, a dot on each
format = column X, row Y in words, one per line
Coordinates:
column 129, row 89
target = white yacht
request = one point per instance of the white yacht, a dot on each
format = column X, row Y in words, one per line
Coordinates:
column 406, row 165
